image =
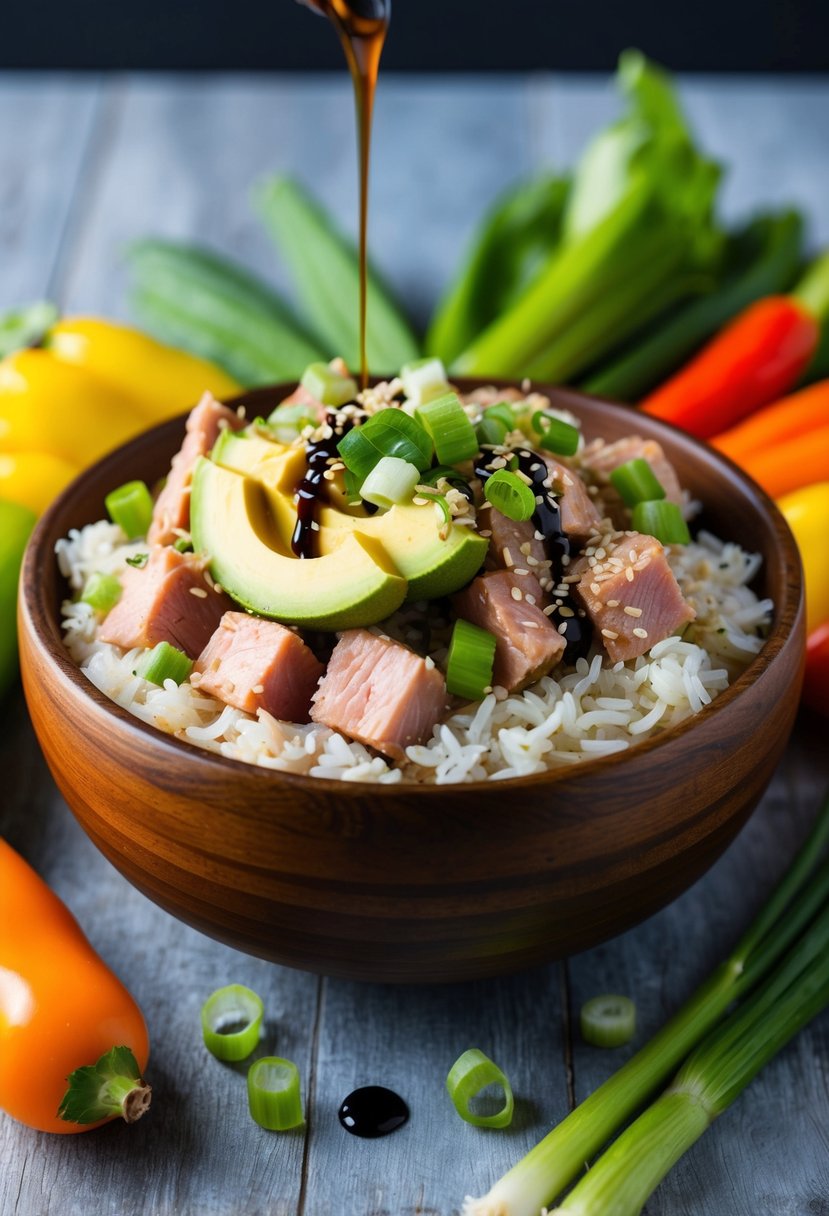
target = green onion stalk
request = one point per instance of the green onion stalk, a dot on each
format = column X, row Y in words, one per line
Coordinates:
column 727, row 1060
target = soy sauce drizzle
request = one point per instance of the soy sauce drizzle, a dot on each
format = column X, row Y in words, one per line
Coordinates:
column 319, row 455
column 577, row 630
column 372, row 1111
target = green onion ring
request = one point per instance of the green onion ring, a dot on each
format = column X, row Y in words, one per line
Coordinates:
column 471, row 1073
column 240, row 1010
column 608, row 1020
column 274, row 1096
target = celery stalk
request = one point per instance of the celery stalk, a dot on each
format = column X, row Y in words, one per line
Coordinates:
column 553, row 1163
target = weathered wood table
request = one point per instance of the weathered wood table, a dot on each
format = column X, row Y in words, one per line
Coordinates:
column 85, row 165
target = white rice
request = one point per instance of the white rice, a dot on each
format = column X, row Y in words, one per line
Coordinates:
column 594, row 709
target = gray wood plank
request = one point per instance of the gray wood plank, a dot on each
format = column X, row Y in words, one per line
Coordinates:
column 46, row 123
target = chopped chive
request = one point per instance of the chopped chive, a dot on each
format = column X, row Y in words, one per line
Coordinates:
column 131, row 507
column 183, row 545
column 390, row 481
column 556, row 435
column 471, row 1073
column 138, row 561
column 274, row 1095
column 439, row 501
column 452, row 433
column 328, row 386
column 635, row 481
column 512, row 496
column 164, row 662
column 102, row 591
column 662, row 520
column 608, row 1021
column 470, row 661
column 231, row 1022
column 395, row 433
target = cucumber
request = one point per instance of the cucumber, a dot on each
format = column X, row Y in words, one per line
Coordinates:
column 197, row 300
column 326, row 272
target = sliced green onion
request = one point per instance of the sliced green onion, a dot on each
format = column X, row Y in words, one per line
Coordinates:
column 231, row 1022
column 285, row 422
column 491, row 431
column 512, row 496
column 274, row 1096
column 470, row 661
column 102, row 591
column 608, row 1021
column 131, row 507
column 327, row 385
column 662, row 520
column 423, row 380
column 164, row 662
column 433, row 476
column 635, row 481
column 395, row 433
column 390, row 481
column 452, row 433
column 183, row 545
column 358, row 453
column 556, row 436
column 471, row 1073
column 504, row 412
column 439, row 501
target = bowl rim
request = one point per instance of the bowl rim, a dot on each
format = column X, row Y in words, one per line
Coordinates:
column 785, row 617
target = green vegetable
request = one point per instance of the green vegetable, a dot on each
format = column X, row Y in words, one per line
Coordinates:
column 26, row 326
column 16, row 523
column 131, row 508
column 358, row 453
column 102, row 591
column 231, row 1022
column 390, row 481
column 395, row 433
column 424, row 379
column 559, row 1158
column 760, row 260
column 555, row 435
column 639, row 234
column 662, row 520
column 635, row 481
column 274, row 1095
column 608, row 1021
column 112, row 1086
column 201, row 302
column 491, row 431
column 510, row 495
column 512, row 243
column 470, row 661
column 453, row 435
column 326, row 273
column 328, row 386
column 164, row 662
column 469, row 1075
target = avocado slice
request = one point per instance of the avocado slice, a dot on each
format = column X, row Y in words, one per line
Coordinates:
column 411, row 536
column 232, row 521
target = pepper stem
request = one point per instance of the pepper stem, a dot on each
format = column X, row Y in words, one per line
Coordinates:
column 110, row 1088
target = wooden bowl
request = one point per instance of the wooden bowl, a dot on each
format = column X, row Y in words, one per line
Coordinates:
column 409, row 883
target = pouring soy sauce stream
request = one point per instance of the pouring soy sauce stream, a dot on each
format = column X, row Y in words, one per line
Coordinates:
column 362, row 26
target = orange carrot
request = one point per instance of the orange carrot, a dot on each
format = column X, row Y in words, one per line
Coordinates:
column 793, row 416
column 788, row 466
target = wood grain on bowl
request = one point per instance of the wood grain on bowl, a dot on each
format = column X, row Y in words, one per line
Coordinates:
column 412, row 883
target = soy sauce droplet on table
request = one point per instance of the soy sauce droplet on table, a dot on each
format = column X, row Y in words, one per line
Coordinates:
column 372, row 1111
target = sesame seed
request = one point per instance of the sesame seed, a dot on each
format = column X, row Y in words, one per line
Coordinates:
column 525, row 548
column 516, row 593
column 632, row 554
column 258, row 689
column 562, row 627
column 631, row 611
column 565, row 611
column 538, row 535
column 610, row 634
column 507, row 556
column 549, row 610
column 613, row 604
column 218, row 588
column 640, row 633
column 523, row 476
column 539, row 498
column 519, row 570
column 530, row 599
column 531, row 624
column 531, row 561
column 595, row 588
column 429, row 662
column 199, row 592
column 629, row 575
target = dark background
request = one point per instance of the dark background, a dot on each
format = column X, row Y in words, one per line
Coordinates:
column 441, row 35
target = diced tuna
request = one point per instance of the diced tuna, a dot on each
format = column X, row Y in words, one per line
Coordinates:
column 256, row 664
column 172, row 507
column 630, row 593
column 167, row 600
column 528, row 645
column 579, row 515
column 380, row 693
column 515, row 546
column 602, row 458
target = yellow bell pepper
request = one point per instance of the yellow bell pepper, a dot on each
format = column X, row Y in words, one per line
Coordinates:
column 163, row 380
column 33, row 479
column 807, row 514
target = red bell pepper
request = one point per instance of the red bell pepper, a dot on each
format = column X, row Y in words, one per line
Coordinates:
column 816, row 681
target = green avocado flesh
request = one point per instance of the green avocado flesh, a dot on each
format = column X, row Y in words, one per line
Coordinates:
column 242, row 515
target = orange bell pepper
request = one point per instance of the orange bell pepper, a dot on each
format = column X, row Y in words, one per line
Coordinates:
column 60, row 1010
column 787, row 419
